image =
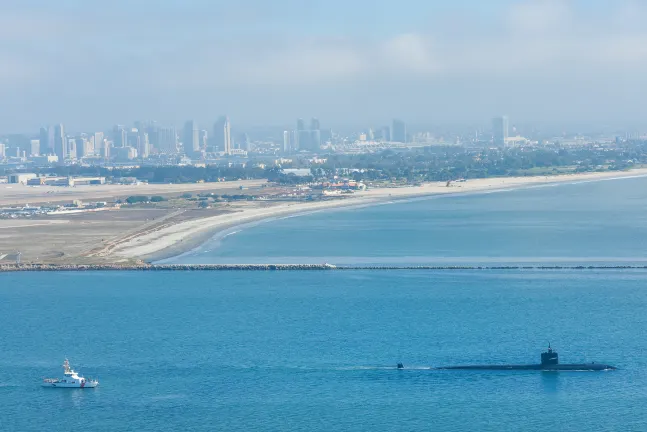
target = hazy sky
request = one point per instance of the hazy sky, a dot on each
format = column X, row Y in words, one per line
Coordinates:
column 91, row 63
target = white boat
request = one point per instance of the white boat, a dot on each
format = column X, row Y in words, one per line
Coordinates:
column 71, row 379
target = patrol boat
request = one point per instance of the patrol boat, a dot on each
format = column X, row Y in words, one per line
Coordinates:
column 71, row 379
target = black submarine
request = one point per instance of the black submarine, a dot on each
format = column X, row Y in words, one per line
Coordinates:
column 549, row 362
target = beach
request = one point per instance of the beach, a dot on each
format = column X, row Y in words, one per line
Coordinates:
column 183, row 236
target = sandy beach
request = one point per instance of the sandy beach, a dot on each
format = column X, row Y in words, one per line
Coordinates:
column 181, row 237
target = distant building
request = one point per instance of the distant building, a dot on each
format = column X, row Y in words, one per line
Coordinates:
column 399, row 131
column 34, row 147
column 386, row 134
column 287, row 148
column 144, row 146
column 60, row 142
column 98, row 144
column 87, row 146
column 125, row 153
column 204, row 139
column 221, row 139
column 105, row 150
column 222, row 135
column 191, row 137
column 167, row 139
column 45, row 145
column 119, row 136
column 71, row 148
column 500, row 130
column 3, row 151
column 44, row 160
column 21, row 178
column 315, row 135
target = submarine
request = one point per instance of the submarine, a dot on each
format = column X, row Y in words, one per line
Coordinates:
column 549, row 362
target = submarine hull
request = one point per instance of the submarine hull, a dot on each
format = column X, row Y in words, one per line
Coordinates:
column 538, row 367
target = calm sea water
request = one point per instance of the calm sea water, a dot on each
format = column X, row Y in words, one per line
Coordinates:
column 594, row 222
column 316, row 351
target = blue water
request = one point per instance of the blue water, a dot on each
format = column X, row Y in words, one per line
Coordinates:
column 582, row 223
column 315, row 351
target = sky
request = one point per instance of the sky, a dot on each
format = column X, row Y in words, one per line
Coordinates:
column 90, row 64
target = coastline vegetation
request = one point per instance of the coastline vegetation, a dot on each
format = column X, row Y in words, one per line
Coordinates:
column 433, row 163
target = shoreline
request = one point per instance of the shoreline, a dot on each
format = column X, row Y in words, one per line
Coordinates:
column 187, row 236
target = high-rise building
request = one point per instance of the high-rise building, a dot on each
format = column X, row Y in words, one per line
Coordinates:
column 227, row 132
column 218, row 137
column 204, row 139
column 133, row 139
column 98, row 144
column 371, row 135
column 3, row 151
column 315, row 135
column 153, row 134
column 286, row 142
column 191, row 137
column 34, row 147
column 167, row 140
column 244, row 142
column 301, row 136
column 71, row 148
column 144, row 148
column 60, row 142
column 399, row 131
column 386, row 134
column 119, row 136
column 500, row 127
column 222, row 135
column 45, row 145
column 105, row 150
column 86, row 147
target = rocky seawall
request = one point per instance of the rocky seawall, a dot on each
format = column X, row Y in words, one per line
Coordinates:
column 274, row 267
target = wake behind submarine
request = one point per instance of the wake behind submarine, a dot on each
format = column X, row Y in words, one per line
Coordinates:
column 549, row 362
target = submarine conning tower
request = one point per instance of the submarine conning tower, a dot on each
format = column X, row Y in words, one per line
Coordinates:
column 549, row 357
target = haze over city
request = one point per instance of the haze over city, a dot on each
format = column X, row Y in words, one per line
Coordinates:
column 90, row 65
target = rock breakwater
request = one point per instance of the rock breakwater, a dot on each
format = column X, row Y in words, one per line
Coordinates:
column 275, row 267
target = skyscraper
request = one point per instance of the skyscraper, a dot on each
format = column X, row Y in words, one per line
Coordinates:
column 60, row 142
column 98, row 144
column 144, row 148
column 303, row 138
column 286, row 142
column 34, row 147
column 167, row 140
column 315, row 135
column 119, row 136
column 44, row 141
column 134, row 139
column 245, row 142
column 222, row 135
column 204, row 138
column 500, row 130
column 399, row 131
column 227, row 132
column 386, row 134
column 191, row 137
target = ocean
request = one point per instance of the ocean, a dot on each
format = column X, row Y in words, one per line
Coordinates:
column 316, row 351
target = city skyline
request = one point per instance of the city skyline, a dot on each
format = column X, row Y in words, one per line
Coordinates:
column 549, row 61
